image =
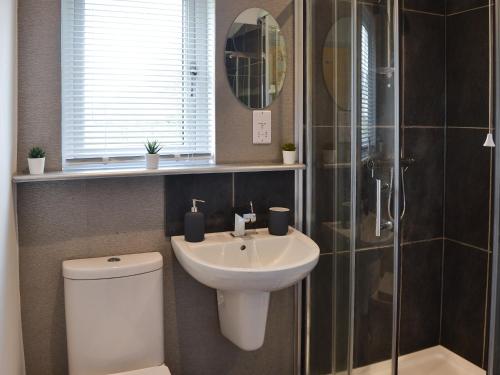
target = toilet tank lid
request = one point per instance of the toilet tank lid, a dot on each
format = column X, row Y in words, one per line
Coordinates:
column 111, row 266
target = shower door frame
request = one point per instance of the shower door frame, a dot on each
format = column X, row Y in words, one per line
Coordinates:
column 299, row 120
column 495, row 276
column 306, row 101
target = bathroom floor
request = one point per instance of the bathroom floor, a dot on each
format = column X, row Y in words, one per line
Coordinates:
column 433, row 361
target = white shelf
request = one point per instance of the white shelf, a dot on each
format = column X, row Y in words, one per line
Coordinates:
column 165, row 171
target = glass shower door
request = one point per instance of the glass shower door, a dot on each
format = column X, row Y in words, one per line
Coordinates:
column 374, row 177
column 353, row 181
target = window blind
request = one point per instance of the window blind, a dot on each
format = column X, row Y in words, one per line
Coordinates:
column 137, row 70
column 367, row 91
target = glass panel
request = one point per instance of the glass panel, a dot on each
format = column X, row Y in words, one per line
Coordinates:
column 331, row 175
column 374, row 277
column 345, row 335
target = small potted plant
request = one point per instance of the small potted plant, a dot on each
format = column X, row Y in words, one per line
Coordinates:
column 36, row 160
column 152, row 156
column 289, row 153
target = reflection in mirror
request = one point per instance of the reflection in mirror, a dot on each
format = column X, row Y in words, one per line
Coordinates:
column 336, row 61
column 255, row 58
column 367, row 90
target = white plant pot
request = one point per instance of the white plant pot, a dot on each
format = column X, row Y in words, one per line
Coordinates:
column 289, row 157
column 36, row 165
column 152, row 161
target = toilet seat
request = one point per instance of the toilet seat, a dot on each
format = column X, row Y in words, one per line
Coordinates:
column 157, row 370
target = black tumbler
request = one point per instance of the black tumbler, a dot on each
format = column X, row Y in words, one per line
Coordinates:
column 278, row 221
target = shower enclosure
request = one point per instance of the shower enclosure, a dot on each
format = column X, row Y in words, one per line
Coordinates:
column 399, row 186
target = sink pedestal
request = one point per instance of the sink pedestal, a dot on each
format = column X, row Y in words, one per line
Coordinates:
column 243, row 316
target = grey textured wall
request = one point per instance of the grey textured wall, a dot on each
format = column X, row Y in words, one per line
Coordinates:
column 39, row 85
column 234, row 120
column 64, row 220
column 39, row 80
column 68, row 220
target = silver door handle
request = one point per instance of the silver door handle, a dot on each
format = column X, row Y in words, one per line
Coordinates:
column 378, row 216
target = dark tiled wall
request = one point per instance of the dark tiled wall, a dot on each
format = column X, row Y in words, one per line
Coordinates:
column 421, row 270
column 322, row 316
column 226, row 194
column 373, row 306
column 455, row 6
column 428, row 6
column 465, row 300
column 81, row 219
column 448, row 190
column 423, row 53
column 423, row 134
column 467, row 68
column 468, row 182
column 467, row 187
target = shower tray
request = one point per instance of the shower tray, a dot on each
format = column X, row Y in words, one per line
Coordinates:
column 432, row 361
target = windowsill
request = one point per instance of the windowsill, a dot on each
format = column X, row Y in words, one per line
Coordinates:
column 162, row 171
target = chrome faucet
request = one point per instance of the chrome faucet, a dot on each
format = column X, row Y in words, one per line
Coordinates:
column 240, row 221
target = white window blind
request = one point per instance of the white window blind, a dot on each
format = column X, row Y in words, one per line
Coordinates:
column 134, row 70
column 367, row 91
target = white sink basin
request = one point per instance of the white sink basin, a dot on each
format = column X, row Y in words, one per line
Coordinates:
column 257, row 261
column 244, row 270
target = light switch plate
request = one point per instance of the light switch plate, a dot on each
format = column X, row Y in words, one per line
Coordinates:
column 261, row 127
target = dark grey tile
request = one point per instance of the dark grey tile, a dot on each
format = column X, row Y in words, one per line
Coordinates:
column 265, row 190
column 214, row 189
column 453, row 6
column 373, row 306
column 464, row 299
column 433, row 6
column 467, row 187
column 488, row 316
column 331, row 188
column 423, row 182
column 321, row 360
column 423, row 69
column 467, row 68
column 420, row 296
column 341, row 294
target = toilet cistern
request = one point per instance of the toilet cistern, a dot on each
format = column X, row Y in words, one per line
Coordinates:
column 240, row 221
column 114, row 315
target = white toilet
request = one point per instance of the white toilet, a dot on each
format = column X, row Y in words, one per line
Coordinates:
column 114, row 315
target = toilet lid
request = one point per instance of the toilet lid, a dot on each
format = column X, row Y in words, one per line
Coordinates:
column 157, row 370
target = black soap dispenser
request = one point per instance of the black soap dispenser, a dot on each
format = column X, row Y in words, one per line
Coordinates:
column 194, row 224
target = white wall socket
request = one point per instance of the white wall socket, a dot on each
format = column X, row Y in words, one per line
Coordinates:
column 261, row 127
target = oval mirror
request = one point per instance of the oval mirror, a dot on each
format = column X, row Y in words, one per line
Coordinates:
column 255, row 58
column 337, row 63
